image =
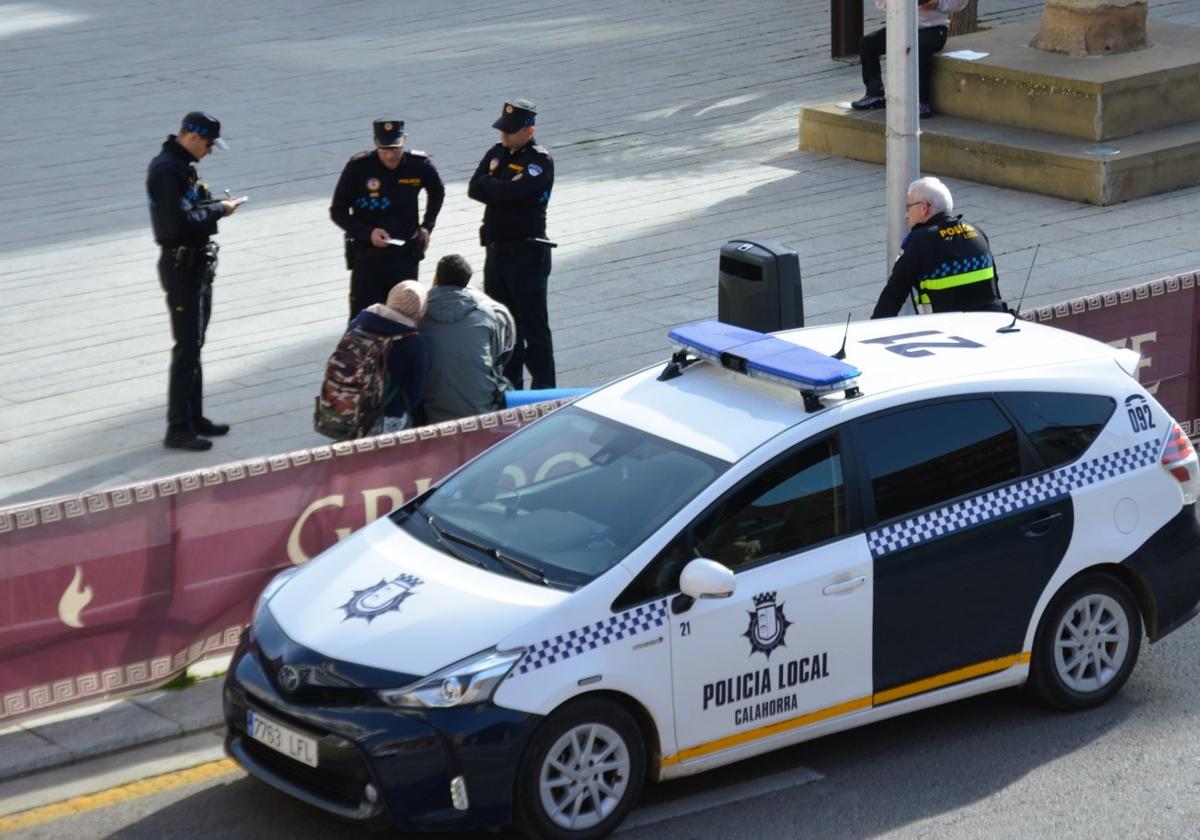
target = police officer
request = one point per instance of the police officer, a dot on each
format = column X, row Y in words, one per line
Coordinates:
column 184, row 216
column 513, row 181
column 944, row 263
column 376, row 200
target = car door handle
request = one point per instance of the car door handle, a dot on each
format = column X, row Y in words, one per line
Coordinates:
column 844, row 586
column 1041, row 526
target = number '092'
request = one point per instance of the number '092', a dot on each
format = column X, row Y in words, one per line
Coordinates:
column 1140, row 417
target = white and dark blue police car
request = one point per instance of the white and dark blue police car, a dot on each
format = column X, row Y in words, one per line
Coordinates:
column 756, row 545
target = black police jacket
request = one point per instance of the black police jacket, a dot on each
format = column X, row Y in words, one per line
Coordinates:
column 947, row 265
column 369, row 195
column 181, row 210
column 515, row 187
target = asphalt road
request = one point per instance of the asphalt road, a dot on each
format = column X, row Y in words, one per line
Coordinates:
column 993, row 766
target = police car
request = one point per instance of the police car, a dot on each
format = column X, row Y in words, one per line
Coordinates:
column 759, row 543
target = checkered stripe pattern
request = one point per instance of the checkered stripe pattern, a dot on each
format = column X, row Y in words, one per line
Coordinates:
column 963, row 266
column 1005, row 500
column 373, row 203
column 592, row 636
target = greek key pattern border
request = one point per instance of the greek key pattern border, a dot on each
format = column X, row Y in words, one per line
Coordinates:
column 31, row 514
column 1116, row 297
column 121, row 679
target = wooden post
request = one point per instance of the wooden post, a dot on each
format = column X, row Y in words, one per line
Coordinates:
column 845, row 27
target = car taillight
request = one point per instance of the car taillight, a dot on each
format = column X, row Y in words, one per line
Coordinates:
column 1179, row 459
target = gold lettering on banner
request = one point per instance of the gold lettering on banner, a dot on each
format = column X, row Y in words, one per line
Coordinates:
column 1135, row 343
column 371, row 511
column 294, row 551
column 371, row 501
column 74, row 599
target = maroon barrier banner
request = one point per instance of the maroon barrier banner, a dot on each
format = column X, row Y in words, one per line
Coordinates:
column 1157, row 319
column 118, row 590
column 114, row 591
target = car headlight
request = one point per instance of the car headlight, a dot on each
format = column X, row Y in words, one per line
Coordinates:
column 473, row 680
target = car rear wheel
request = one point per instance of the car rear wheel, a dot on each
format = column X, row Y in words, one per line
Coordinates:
column 1087, row 643
column 582, row 773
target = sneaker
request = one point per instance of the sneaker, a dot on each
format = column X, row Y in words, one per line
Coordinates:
column 186, row 440
column 869, row 103
column 208, row 428
column 925, row 110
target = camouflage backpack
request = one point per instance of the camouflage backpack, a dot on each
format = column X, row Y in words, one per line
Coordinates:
column 352, row 395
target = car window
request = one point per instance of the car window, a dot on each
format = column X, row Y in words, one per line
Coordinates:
column 798, row 501
column 1060, row 426
column 571, row 495
column 918, row 457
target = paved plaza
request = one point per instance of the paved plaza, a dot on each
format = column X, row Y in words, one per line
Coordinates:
column 673, row 124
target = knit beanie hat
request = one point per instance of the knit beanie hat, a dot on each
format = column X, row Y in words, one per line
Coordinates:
column 407, row 299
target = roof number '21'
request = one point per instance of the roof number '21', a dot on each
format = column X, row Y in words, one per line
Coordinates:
column 913, row 349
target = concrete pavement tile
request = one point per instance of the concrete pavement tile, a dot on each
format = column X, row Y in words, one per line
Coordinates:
column 23, row 752
column 123, row 725
column 196, row 707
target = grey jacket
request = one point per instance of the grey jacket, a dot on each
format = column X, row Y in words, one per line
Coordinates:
column 469, row 337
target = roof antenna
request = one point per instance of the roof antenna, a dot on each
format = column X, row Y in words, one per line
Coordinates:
column 841, row 354
column 1012, row 327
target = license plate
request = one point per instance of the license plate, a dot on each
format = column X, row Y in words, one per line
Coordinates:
column 281, row 739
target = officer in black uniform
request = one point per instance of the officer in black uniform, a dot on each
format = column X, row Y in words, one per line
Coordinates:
column 514, row 180
column 376, row 200
column 184, row 216
column 944, row 263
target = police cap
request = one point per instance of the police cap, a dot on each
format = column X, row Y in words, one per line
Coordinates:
column 516, row 115
column 206, row 125
column 389, row 133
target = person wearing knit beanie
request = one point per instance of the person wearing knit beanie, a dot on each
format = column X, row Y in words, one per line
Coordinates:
column 408, row 361
column 407, row 299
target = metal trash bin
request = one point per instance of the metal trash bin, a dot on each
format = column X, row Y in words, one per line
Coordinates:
column 758, row 286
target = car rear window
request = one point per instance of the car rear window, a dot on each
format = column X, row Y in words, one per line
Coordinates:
column 1060, row 426
column 919, row 457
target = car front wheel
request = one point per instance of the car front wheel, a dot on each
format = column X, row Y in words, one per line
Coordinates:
column 1087, row 643
column 582, row 773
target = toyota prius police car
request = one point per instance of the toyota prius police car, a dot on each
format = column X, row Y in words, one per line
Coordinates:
column 759, row 544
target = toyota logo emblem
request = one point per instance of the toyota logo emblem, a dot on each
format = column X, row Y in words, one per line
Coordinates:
column 289, row 678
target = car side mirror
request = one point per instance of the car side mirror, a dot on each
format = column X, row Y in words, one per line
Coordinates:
column 703, row 579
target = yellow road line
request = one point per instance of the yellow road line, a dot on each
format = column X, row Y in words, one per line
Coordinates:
column 117, row 795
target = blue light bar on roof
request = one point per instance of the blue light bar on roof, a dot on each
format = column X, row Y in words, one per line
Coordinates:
column 765, row 357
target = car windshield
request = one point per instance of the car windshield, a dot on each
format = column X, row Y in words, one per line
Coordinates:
column 562, row 501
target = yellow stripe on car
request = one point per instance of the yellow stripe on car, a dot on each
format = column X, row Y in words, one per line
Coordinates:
column 980, row 669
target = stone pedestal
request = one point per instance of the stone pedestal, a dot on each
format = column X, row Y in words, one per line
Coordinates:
column 1092, row 27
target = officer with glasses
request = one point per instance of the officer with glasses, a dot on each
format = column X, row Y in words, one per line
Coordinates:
column 945, row 263
column 184, row 216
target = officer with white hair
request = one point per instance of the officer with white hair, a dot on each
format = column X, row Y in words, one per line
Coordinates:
column 945, row 264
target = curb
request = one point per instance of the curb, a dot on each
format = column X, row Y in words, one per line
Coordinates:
column 111, row 726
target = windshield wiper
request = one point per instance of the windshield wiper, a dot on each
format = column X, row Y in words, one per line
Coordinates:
column 525, row 570
column 441, row 536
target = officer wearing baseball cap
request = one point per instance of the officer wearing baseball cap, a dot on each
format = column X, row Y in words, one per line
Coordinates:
column 184, row 216
column 376, row 201
column 513, row 181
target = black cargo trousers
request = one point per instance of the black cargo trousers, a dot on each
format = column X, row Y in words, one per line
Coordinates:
column 186, row 275
column 517, row 274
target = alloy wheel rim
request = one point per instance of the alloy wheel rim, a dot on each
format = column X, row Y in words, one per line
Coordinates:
column 584, row 776
column 1092, row 643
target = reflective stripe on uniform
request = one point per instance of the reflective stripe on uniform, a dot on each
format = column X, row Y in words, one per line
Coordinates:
column 954, row 280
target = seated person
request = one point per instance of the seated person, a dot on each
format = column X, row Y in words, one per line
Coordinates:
column 470, row 337
column 933, row 22
column 408, row 361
